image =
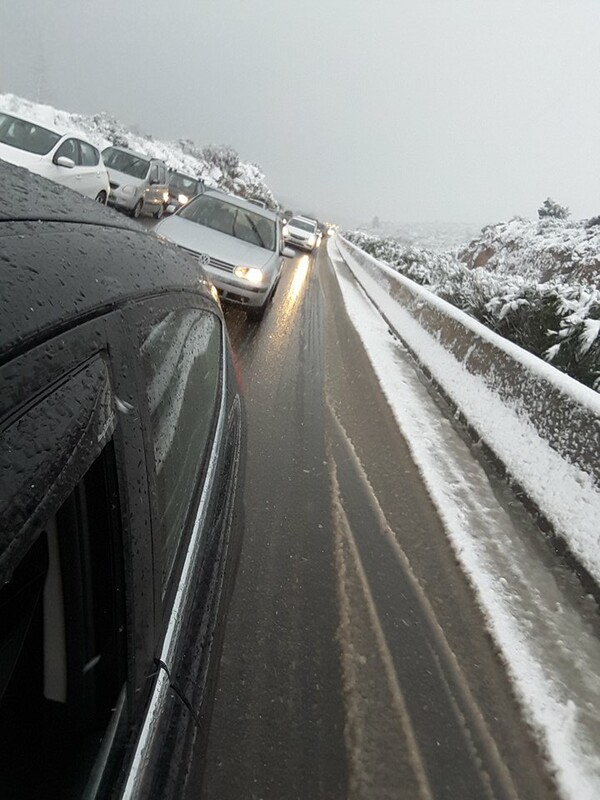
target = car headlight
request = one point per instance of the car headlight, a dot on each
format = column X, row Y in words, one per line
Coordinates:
column 250, row 274
column 312, row 240
column 129, row 189
column 165, row 196
column 215, row 293
column 285, row 231
column 182, row 199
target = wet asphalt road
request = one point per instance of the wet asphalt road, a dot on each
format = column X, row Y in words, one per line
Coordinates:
column 356, row 663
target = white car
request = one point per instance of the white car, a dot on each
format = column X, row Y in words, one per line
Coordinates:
column 65, row 158
column 238, row 244
column 302, row 232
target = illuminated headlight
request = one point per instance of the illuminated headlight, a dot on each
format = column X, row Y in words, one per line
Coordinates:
column 214, row 292
column 165, row 196
column 250, row 274
column 129, row 189
column 182, row 199
column 312, row 240
column 285, row 231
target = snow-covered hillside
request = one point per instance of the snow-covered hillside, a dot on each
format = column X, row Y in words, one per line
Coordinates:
column 536, row 283
column 217, row 166
column 436, row 236
column 548, row 249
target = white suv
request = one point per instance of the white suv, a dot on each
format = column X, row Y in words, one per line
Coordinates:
column 302, row 232
column 65, row 158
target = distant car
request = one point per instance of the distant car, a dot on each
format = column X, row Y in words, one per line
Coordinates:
column 182, row 188
column 65, row 158
column 238, row 244
column 121, row 454
column 302, row 232
column 138, row 183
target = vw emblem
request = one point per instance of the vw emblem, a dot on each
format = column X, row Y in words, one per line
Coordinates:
column 203, row 260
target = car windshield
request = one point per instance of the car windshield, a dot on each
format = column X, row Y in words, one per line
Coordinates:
column 303, row 224
column 26, row 135
column 127, row 163
column 218, row 214
column 183, row 183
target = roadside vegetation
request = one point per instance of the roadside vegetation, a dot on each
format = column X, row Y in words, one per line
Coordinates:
column 537, row 283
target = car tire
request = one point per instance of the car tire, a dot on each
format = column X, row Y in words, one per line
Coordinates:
column 159, row 211
column 137, row 209
column 101, row 198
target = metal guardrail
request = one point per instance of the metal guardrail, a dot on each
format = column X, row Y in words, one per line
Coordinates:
column 552, row 450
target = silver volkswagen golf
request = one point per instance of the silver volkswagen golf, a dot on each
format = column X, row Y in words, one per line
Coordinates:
column 238, row 244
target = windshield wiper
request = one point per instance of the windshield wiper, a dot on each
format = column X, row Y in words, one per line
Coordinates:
column 260, row 239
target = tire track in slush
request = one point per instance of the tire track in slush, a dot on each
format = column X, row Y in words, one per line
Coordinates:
column 377, row 719
column 369, row 716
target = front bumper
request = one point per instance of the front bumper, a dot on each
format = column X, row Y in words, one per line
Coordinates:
column 122, row 199
column 303, row 244
column 236, row 291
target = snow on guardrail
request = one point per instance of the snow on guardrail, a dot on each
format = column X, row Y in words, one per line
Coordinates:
column 541, row 424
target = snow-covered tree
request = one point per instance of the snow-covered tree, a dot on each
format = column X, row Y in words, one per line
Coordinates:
column 551, row 209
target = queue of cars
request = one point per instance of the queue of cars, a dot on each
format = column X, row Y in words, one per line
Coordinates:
column 122, row 440
column 121, row 461
column 132, row 182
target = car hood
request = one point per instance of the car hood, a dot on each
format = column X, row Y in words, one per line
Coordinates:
column 214, row 243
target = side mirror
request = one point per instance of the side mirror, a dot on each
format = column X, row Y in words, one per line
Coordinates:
column 170, row 209
column 64, row 161
column 287, row 252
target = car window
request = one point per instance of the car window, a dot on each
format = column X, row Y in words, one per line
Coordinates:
column 25, row 135
column 69, row 149
column 127, row 163
column 62, row 620
column 217, row 213
column 303, row 224
column 181, row 358
column 90, row 157
column 183, row 183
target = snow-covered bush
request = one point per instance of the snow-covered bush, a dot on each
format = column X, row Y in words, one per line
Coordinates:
column 533, row 283
column 550, row 208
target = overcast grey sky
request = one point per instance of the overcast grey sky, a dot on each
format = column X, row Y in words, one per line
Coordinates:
column 412, row 110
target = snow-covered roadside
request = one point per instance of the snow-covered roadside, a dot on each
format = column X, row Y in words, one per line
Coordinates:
column 511, row 407
column 551, row 653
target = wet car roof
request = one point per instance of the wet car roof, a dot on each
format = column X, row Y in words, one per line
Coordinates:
column 143, row 156
column 64, row 257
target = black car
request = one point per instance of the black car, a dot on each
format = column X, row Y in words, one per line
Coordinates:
column 121, row 455
column 182, row 188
